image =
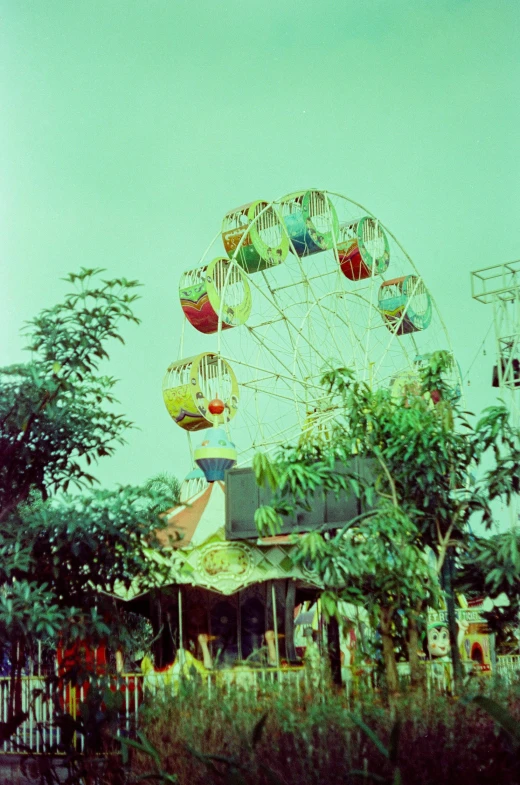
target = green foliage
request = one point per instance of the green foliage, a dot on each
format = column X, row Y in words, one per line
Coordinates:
column 268, row 520
column 28, row 610
column 234, row 770
column 158, row 773
column 227, row 768
column 54, row 420
column 421, row 455
column 501, row 715
column 265, row 471
column 167, row 486
column 375, row 562
column 491, row 567
column 62, row 559
column 421, row 448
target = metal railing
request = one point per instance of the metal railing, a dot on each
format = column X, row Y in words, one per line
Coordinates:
column 259, row 679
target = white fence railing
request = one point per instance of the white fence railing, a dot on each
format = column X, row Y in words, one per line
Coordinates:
column 46, row 701
column 508, row 668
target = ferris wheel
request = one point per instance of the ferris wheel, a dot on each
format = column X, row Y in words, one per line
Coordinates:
column 287, row 290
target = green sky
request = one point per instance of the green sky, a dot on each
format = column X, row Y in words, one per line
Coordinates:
column 129, row 127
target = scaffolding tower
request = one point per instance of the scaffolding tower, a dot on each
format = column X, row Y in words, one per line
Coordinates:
column 500, row 286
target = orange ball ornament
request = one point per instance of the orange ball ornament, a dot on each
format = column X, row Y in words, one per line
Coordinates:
column 216, row 406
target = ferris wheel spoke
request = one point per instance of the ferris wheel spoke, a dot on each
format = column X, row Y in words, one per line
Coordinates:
column 275, row 356
column 318, row 277
column 289, row 322
column 314, row 308
column 259, row 388
column 328, row 336
column 273, row 297
column 270, row 376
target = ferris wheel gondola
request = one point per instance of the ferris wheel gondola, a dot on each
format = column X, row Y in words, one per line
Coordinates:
column 307, row 284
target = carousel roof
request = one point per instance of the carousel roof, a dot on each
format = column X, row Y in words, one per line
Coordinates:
column 197, row 519
column 203, row 557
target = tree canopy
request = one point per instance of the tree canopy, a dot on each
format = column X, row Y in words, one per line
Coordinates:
column 55, row 416
column 427, row 478
column 63, row 561
column 62, row 556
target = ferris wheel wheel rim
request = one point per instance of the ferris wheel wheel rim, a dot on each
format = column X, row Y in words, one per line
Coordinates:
column 405, row 348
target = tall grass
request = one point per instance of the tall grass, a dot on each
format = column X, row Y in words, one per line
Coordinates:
column 320, row 739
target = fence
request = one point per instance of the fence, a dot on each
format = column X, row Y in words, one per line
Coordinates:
column 508, row 668
column 47, row 701
column 360, row 678
column 49, row 704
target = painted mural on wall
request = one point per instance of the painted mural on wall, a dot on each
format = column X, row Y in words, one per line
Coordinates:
column 476, row 644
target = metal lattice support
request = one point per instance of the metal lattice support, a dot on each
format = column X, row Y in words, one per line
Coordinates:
column 500, row 286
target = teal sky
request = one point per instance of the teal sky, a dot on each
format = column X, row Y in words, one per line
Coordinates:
column 129, row 127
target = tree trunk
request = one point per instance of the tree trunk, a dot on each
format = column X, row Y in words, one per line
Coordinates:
column 447, row 585
column 290, row 597
column 15, row 687
column 392, row 679
column 417, row 673
column 334, row 650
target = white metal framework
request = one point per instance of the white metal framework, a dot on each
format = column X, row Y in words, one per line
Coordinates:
column 499, row 286
column 308, row 316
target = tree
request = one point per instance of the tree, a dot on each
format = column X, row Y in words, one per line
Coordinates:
column 63, row 561
column 167, row 485
column 490, row 568
column 63, row 557
column 421, row 446
column 54, row 419
column 377, row 564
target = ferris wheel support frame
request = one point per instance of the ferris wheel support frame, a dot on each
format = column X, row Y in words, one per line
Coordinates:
column 307, row 280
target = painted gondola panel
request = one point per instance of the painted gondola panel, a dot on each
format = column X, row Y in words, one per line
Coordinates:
column 305, row 239
column 201, row 300
column 300, row 220
column 187, row 401
column 262, row 242
column 355, row 259
column 181, row 406
column 351, row 262
column 198, row 309
column 400, row 306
